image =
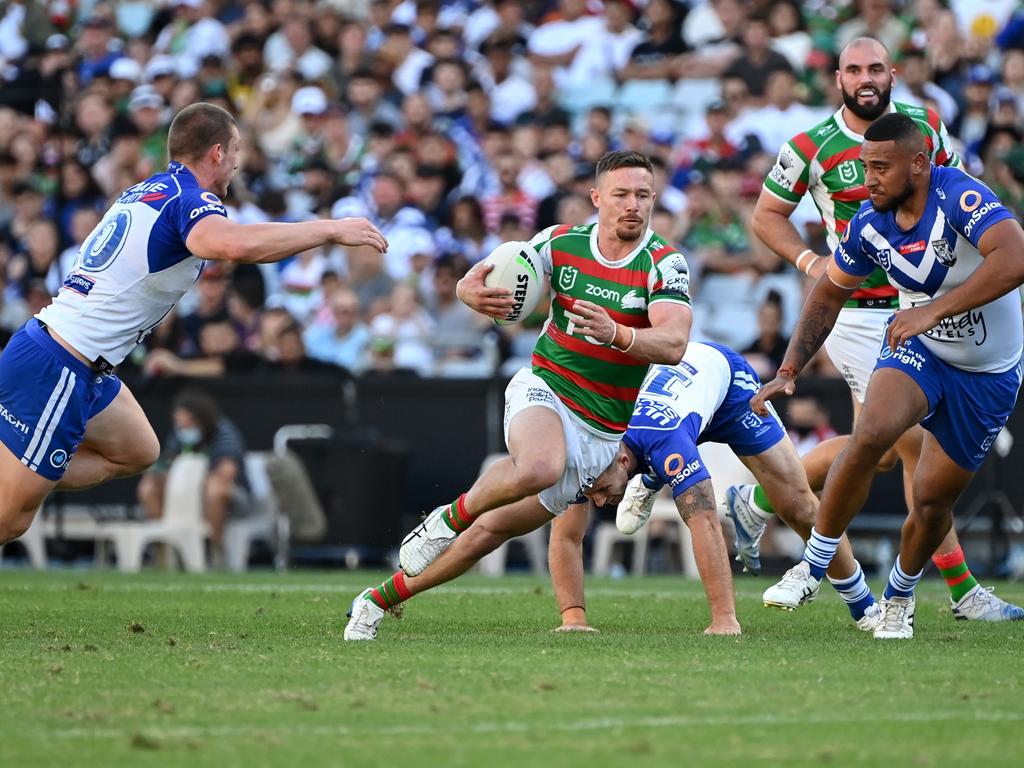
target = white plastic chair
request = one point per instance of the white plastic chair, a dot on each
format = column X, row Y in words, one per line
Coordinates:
column 34, row 542
column 261, row 524
column 182, row 527
column 536, row 543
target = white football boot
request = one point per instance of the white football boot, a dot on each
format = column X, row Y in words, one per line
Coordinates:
column 981, row 605
column 897, row 620
column 635, row 507
column 795, row 588
column 364, row 616
column 426, row 543
column 749, row 525
column 871, row 619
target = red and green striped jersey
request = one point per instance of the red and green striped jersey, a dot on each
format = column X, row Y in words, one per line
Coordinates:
column 598, row 383
column 825, row 161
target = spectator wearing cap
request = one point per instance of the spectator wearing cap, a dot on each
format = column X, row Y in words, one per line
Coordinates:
column 342, row 340
column 311, row 105
column 656, row 55
column 161, row 73
column 510, row 93
column 146, row 109
column 915, row 86
column 193, row 33
column 974, row 119
column 757, row 60
column 292, row 47
column 98, row 48
column 873, row 18
column 366, row 103
column 124, row 74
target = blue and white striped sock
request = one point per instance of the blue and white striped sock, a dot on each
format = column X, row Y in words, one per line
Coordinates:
column 819, row 553
column 855, row 592
column 901, row 583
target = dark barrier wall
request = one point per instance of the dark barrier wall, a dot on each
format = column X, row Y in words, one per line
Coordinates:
column 405, row 445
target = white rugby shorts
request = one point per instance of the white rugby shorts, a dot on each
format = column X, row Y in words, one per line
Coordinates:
column 854, row 344
column 588, row 454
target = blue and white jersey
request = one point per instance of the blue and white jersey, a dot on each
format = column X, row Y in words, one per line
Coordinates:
column 134, row 267
column 938, row 254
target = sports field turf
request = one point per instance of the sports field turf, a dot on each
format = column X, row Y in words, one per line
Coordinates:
column 100, row 669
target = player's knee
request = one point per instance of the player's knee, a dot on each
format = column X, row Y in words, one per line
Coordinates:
column 870, row 441
column 146, row 454
column 888, row 461
column 13, row 523
column 534, row 475
column 482, row 538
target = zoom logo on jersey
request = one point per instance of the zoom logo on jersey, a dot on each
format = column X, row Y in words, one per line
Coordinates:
column 603, row 293
column 979, row 213
column 78, row 283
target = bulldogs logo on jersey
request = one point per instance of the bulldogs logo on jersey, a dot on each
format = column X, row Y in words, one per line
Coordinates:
column 943, row 252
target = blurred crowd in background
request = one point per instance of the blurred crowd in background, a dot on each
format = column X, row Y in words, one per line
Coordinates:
column 455, row 125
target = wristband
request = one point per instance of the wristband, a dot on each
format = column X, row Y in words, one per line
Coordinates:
column 632, row 339
column 803, row 255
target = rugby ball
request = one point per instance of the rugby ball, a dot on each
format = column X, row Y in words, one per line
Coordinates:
column 517, row 270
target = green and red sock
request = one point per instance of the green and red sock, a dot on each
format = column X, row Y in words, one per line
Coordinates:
column 456, row 517
column 392, row 592
column 954, row 570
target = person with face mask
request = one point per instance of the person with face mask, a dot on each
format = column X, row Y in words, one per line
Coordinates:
column 199, row 427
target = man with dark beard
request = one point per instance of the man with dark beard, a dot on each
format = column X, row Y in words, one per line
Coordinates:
column 950, row 359
column 824, row 161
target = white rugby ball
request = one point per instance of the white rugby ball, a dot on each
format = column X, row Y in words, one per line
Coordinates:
column 516, row 269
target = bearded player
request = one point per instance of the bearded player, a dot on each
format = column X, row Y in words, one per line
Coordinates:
column 620, row 303
column 824, row 162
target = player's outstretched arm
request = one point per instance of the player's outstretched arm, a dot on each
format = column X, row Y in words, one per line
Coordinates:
column 663, row 343
column 1001, row 271
column 816, row 320
column 565, row 561
column 220, row 239
column 493, row 302
column 696, row 506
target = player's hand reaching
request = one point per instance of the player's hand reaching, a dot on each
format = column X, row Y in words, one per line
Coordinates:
column 783, row 383
column 358, row 231
column 909, row 322
column 588, row 319
column 493, row 302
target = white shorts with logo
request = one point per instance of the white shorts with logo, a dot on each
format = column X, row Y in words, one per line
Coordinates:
column 587, row 453
column 854, row 343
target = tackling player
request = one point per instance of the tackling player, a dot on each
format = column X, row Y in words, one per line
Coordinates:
column 620, row 303
column 950, row 360
column 707, row 398
column 68, row 421
column 823, row 162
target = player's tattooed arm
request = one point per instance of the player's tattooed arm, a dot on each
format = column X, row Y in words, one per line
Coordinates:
column 696, row 499
column 813, row 327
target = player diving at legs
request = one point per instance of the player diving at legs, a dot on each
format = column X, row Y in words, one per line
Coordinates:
column 822, row 162
column 565, row 415
column 704, row 398
column 70, row 423
column 950, row 360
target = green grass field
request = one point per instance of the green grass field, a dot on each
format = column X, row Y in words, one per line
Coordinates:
column 101, row 669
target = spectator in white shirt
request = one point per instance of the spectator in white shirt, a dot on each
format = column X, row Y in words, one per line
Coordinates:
column 344, row 339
